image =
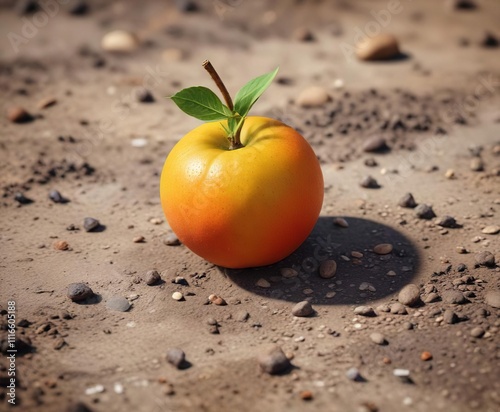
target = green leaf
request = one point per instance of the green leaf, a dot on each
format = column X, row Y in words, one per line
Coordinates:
column 250, row 92
column 202, row 103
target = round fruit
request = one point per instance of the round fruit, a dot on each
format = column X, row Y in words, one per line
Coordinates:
column 244, row 207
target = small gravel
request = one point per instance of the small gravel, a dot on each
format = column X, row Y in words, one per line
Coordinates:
column 369, row 182
column 90, row 224
column 378, row 338
column 152, row 277
column 492, row 298
column 143, row 95
column 424, row 211
column 274, row 361
column 446, row 221
column 177, row 296
column 477, row 332
column 341, row 222
column 491, row 230
column 79, row 291
column 56, row 197
column 327, row 269
column 353, row 374
column 171, row 240
column 485, row 258
column 383, row 249
column 398, row 309
column 364, row 311
column 302, row 309
column 450, row 317
column 409, row 295
column 176, row 357
column 375, row 144
column 454, row 297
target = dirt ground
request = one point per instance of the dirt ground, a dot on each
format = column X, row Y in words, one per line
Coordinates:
column 437, row 106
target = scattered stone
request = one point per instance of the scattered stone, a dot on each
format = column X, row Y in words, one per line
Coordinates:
column 446, row 221
column 426, row 356
column 263, row 283
column 462, row 250
column 242, row 316
column 313, row 96
column 492, row 298
column 489, row 40
column 288, row 273
column 364, row 311
column 383, row 249
column 409, row 295
column 367, row 286
column 380, row 47
column 46, row 102
column 176, row 357
column 306, row 395
column 450, row 317
column 119, row 41
column 461, row 4
column 58, row 343
column 93, row 390
column 477, row 164
column 378, row 338
column 369, row 182
column 491, row 230
column 217, row 300
column 403, row 374
column 171, row 240
column 118, row 303
column 407, row 201
column 90, row 224
column 143, row 95
column 353, row 374
column 424, row 211
column 341, row 222
column 179, row 280
column 79, row 291
column 398, row 309
column 187, row 6
column 327, row 269
column 302, row 309
column 454, row 297
column 375, row 144
column 303, row 34
column 485, row 258
column 21, row 199
column 139, row 239
column 177, row 296
column 370, row 162
column 431, row 297
column 56, row 197
column 477, row 332
column 17, row 114
column 274, row 361
column 152, row 277
column 61, row 245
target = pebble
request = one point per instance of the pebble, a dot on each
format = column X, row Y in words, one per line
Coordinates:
column 489, row 40
column 409, row 295
column 477, row 164
column 450, row 317
column 491, row 230
column 152, row 277
column 90, row 224
column 477, row 332
column 288, row 273
column 171, row 240
column 302, row 309
column 177, row 296
column 46, row 102
column 94, row 390
column 187, row 6
column 327, row 269
column 492, row 298
column 450, row 174
column 179, row 280
column 20, row 198
column 274, row 361
column 79, row 291
column 380, row 47
column 369, row 182
column 118, row 303
column 263, row 283
column 176, row 357
column 431, row 297
column 313, row 96
column 56, row 197
column 217, row 300
column 375, row 144
column 306, row 395
column 446, row 221
column 407, row 201
column 353, row 374
column 454, row 297
column 139, row 239
column 143, row 95
column 303, row 34
column 378, row 338
column 383, row 249
column 341, row 222
column 61, row 245
column 398, row 309
column 370, row 162
column 485, row 258
column 242, row 316
column 119, row 41
column 17, row 114
column 425, row 356
column 461, row 4
column 401, row 373
column 424, row 211
column 364, row 311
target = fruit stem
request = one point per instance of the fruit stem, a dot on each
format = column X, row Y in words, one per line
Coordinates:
column 235, row 142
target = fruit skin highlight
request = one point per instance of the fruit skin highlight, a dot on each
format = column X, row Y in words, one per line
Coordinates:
column 245, row 207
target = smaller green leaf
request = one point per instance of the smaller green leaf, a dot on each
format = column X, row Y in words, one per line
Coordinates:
column 250, row 92
column 202, row 103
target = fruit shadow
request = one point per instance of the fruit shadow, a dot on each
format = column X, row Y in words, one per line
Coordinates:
column 356, row 281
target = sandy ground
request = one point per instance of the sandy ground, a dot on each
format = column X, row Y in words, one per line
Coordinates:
column 83, row 147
